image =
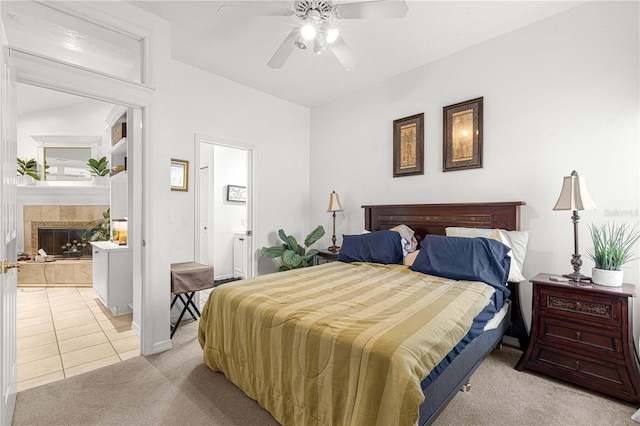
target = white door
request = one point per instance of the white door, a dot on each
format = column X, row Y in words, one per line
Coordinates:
column 8, row 233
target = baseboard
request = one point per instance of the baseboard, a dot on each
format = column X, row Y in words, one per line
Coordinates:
column 161, row 347
column 222, row 277
column 135, row 328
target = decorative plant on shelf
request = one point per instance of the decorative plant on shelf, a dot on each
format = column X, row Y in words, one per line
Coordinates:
column 29, row 168
column 293, row 254
column 613, row 246
column 98, row 167
column 99, row 229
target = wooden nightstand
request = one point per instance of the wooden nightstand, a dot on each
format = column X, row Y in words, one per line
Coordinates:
column 325, row 256
column 583, row 335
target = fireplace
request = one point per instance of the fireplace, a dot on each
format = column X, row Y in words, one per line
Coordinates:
column 61, row 239
column 64, row 242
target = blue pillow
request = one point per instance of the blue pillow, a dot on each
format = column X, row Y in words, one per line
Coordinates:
column 459, row 258
column 377, row 247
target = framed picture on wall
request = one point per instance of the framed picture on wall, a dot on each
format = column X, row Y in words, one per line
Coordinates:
column 462, row 136
column 236, row 193
column 179, row 175
column 408, row 146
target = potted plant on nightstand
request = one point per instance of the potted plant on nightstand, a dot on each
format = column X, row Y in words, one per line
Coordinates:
column 293, row 254
column 612, row 247
column 28, row 171
column 99, row 169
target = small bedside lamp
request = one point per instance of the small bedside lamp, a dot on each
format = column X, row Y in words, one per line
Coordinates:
column 334, row 206
column 574, row 196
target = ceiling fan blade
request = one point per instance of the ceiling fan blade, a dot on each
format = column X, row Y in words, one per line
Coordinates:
column 344, row 55
column 286, row 48
column 372, row 9
column 253, row 10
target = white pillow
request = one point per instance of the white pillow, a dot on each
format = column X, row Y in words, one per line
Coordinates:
column 515, row 240
column 454, row 231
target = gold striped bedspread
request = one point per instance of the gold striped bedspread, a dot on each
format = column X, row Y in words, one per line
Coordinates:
column 338, row 343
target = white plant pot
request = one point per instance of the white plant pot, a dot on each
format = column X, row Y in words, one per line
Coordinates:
column 101, row 180
column 606, row 277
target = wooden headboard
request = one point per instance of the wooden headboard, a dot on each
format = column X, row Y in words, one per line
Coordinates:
column 434, row 218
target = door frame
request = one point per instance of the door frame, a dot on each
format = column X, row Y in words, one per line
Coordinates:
column 252, row 190
column 43, row 72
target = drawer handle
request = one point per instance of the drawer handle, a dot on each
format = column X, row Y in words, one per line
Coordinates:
column 577, row 335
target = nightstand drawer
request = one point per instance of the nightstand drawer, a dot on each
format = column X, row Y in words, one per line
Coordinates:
column 582, row 339
column 588, row 369
column 581, row 306
column 612, row 379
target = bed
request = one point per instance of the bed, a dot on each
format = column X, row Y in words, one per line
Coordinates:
column 281, row 337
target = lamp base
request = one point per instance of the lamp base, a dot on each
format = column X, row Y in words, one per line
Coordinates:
column 578, row 277
column 334, row 249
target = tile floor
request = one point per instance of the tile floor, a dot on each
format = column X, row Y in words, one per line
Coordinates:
column 67, row 331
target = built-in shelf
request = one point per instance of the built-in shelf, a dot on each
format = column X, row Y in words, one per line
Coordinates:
column 119, row 148
column 122, row 174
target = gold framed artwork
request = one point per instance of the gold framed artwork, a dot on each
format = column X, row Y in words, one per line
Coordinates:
column 462, row 136
column 179, row 175
column 408, row 146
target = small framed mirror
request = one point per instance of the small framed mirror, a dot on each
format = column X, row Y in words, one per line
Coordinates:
column 66, row 163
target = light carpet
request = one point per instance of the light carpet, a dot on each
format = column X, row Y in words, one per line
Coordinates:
column 175, row 387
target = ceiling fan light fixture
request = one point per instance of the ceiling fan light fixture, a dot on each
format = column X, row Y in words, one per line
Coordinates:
column 308, row 32
column 332, row 35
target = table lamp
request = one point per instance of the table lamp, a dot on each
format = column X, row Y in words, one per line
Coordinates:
column 334, row 206
column 574, row 196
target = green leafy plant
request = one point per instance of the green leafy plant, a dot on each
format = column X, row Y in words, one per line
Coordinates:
column 28, row 167
column 293, row 254
column 612, row 245
column 99, row 229
column 98, row 167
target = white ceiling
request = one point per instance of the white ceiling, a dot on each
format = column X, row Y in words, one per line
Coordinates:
column 239, row 48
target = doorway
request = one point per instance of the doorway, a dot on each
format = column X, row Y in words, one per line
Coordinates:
column 63, row 327
column 224, row 207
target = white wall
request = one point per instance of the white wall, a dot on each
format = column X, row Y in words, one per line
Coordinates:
column 192, row 101
column 85, row 118
column 559, row 95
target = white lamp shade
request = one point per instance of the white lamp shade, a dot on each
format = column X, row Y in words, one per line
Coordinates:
column 574, row 195
column 334, row 203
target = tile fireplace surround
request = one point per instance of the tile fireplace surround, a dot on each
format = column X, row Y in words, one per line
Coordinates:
column 64, row 272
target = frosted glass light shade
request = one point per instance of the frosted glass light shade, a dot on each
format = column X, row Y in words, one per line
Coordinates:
column 574, row 194
column 334, row 203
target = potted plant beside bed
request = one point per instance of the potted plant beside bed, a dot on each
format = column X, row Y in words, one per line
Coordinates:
column 294, row 255
column 612, row 247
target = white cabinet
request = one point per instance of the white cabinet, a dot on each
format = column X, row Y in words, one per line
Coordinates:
column 113, row 276
column 240, row 255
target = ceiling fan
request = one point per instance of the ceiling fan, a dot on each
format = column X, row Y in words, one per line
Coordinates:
column 317, row 24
